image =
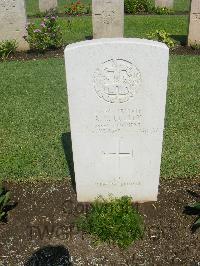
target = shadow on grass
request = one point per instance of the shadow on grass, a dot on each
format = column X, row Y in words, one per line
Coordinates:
column 50, row 255
column 89, row 37
column 67, row 147
column 182, row 39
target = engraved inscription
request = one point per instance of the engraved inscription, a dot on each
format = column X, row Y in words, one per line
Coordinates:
column 107, row 13
column 111, row 121
column 116, row 182
column 106, row 16
column 196, row 16
column 117, row 80
column 7, row 5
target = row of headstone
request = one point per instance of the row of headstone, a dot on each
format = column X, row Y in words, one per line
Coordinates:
column 107, row 15
column 108, row 18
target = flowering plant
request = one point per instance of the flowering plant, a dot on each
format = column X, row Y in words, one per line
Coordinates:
column 77, row 8
column 47, row 36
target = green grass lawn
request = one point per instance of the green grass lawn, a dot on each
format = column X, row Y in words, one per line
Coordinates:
column 34, row 111
column 32, row 6
column 34, row 116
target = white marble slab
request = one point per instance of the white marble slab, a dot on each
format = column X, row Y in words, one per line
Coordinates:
column 194, row 26
column 13, row 22
column 117, row 94
column 108, row 18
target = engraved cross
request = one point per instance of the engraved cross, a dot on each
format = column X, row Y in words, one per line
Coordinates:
column 119, row 153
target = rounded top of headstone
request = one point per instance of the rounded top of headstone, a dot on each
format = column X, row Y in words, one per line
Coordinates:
column 103, row 41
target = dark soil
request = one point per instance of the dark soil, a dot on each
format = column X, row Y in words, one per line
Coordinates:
column 23, row 56
column 184, row 50
column 40, row 229
column 31, row 55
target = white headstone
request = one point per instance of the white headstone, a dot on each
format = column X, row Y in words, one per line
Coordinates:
column 165, row 3
column 117, row 93
column 13, row 22
column 108, row 18
column 194, row 28
column 46, row 5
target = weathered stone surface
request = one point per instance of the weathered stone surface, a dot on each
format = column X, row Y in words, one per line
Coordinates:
column 108, row 18
column 117, row 93
column 45, row 5
column 194, row 27
column 165, row 3
column 13, row 22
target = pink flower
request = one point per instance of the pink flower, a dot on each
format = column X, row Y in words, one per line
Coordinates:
column 37, row 30
column 43, row 24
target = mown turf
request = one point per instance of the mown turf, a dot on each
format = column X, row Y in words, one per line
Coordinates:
column 34, row 117
column 181, row 155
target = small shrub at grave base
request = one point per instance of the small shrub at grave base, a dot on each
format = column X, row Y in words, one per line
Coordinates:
column 195, row 46
column 114, row 221
column 7, row 47
column 4, row 201
column 162, row 36
column 163, row 11
column 77, row 8
column 47, row 36
column 138, row 6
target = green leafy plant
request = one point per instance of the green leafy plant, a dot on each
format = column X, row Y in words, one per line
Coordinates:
column 194, row 209
column 162, row 36
column 138, row 6
column 7, row 47
column 113, row 221
column 47, row 36
column 77, row 8
column 195, row 46
column 163, row 11
column 4, row 201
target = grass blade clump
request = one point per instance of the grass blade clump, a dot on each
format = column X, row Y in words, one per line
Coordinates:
column 115, row 221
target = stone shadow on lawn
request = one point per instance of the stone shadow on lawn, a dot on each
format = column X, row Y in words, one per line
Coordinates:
column 89, row 37
column 50, row 255
column 67, row 147
column 182, row 39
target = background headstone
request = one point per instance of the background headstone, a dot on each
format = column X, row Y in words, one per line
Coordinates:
column 165, row 3
column 13, row 22
column 46, row 5
column 194, row 25
column 108, row 18
column 117, row 93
